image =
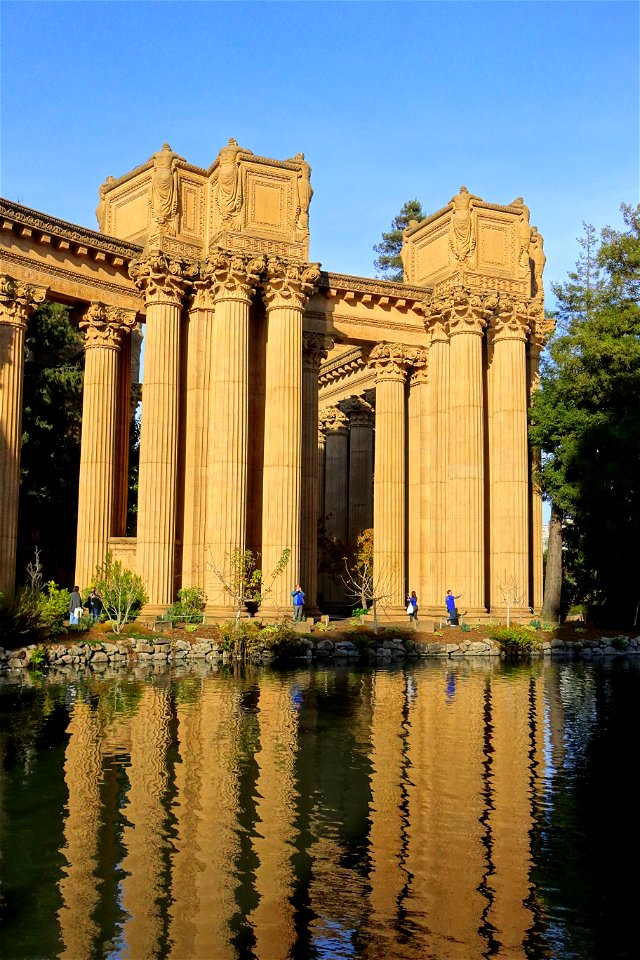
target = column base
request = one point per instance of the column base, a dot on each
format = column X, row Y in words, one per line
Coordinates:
column 151, row 611
column 516, row 614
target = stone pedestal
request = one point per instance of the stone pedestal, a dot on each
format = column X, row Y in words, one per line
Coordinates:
column 286, row 289
column 163, row 281
column 17, row 301
column 104, row 328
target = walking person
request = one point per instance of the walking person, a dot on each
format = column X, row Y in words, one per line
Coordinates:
column 94, row 603
column 297, row 595
column 412, row 607
column 75, row 605
column 452, row 613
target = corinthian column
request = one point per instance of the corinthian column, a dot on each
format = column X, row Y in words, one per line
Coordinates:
column 391, row 362
column 466, row 315
column 163, row 281
column 435, row 488
column 336, row 473
column 17, row 301
column 361, row 417
column 287, row 288
column 104, row 328
column 233, row 278
column 315, row 349
column 508, row 458
column 541, row 328
column 418, row 468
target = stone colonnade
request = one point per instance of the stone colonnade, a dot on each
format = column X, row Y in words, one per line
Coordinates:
column 453, row 505
column 220, row 370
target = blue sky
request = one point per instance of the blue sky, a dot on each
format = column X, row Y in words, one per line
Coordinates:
column 388, row 101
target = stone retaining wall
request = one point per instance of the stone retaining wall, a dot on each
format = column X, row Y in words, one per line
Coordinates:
column 135, row 651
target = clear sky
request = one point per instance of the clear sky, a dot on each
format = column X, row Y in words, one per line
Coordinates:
column 388, row 101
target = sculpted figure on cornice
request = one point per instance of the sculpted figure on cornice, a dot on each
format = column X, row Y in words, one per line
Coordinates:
column 101, row 208
column 289, row 284
column 233, row 275
column 163, row 278
column 230, row 194
column 104, row 326
column 393, row 359
column 18, row 300
column 523, row 233
column 510, row 321
column 463, row 232
column 164, row 188
column 538, row 256
column 304, row 193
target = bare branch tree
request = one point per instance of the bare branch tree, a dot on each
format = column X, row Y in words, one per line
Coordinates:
column 512, row 592
column 364, row 584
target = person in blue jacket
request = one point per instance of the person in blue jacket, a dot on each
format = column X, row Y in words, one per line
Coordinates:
column 452, row 613
column 297, row 595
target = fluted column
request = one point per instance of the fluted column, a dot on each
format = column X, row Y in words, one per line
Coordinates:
column 508, row 458
column 419, row 459
column 196, row 434
column 361, row 418
column 104, row 328
column 17, row 301
column 336, row 492
column 286, row 289
column 163, row 281
column 233, row 279
column 541, row 329
column 391, row 362
column 315, row 349
column 465, row 521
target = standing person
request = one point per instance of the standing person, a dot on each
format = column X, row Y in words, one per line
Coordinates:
column 298, row 602
column 94, row 603
column 75, row 605
column 412, row 607
column 452, row 613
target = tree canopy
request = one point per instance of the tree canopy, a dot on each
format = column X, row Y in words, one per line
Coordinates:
column 585, row 420
column 388, row 264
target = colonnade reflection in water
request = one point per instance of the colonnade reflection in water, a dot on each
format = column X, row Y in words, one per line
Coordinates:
column 320, row 813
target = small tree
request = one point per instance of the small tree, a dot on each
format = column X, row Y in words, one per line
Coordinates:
column 243, row 581
column 512, row 593
column 363, row 583
column 123, row 592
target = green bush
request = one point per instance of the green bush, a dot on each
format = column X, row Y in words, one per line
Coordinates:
column 189, row 607
column 515, row 639
column 53, row 604
column 123, row 592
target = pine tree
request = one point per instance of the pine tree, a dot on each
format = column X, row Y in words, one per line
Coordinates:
column 388, row 264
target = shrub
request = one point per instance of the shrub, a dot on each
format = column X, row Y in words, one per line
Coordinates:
column 189, row 607
column 514, row 639
column 123, row 592
column 53, row 604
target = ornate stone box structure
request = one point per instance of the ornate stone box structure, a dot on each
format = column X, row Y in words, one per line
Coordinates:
column 276, row 394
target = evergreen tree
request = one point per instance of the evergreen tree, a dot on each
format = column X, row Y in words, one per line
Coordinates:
column 586, row 422
column 50, row 456
column 388, row 264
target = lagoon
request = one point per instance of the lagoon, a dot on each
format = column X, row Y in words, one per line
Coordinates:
column 444, row 810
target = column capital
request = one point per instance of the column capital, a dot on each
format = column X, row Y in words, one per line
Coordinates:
column 333, row 420
column 18, row 300
column 392, row 360
column 289, row 284
column 359, row 412
column 460, row 310
column 510, row 321
column 231, row 275
column 163, row 278
column 105, row 326
column 315, row 347
column 540, row 326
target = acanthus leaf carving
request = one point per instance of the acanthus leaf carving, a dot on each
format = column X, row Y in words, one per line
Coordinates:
column 18, row 300
column 289, row 284
column 392, row 360
column 233, row 275
column 104, row 326
column 161, row 277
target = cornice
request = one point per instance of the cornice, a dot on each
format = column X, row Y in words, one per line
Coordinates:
column 397, row 294
column 42, row 228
